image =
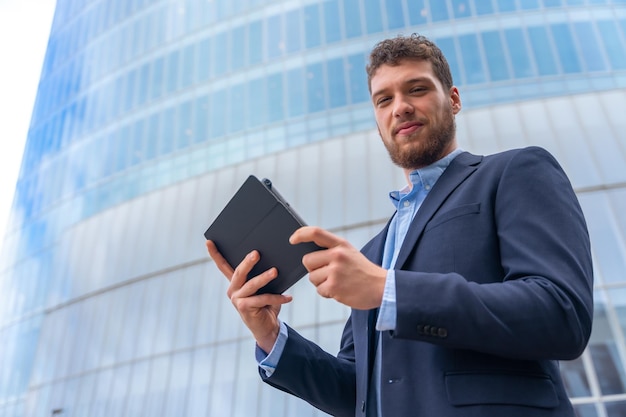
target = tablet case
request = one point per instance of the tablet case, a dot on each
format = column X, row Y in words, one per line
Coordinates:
column 257, row 217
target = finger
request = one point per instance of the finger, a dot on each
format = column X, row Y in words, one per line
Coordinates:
column 317, row 235
column 219, row 260
column 250, row 287
column 240, row 275
column 318, row 276
column 317, row 259
column 260, row 301
column 323, row 290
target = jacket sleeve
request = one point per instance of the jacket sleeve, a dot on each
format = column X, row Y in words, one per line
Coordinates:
column 323, row 380
column 511, row 265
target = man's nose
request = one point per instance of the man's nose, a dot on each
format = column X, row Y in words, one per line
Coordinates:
column 402, row 107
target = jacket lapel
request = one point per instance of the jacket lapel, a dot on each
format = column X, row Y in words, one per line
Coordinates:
column 373, row 250
column 364, row 321
column 459, row 169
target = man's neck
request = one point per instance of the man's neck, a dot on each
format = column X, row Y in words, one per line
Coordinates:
column 407, row 171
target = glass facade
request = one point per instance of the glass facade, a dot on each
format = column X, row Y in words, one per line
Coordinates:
column 149, row 115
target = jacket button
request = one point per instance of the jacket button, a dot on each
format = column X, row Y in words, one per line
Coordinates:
column 420, row 328
column 443, row 333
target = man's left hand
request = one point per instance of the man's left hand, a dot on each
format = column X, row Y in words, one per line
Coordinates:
column 341, row 272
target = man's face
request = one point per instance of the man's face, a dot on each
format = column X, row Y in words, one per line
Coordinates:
column 414, row 113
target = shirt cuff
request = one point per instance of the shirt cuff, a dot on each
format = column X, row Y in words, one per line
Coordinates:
column 388, row 310
column 269, row 362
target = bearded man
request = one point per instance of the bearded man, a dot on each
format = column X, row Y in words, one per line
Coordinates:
column 464, row 303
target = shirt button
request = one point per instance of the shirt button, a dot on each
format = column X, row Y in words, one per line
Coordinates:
column 406, row 204
column 427, row 187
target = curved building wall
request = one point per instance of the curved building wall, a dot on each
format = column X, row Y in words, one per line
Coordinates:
column 151, row 113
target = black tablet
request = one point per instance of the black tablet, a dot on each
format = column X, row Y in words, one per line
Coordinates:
column 257, row 217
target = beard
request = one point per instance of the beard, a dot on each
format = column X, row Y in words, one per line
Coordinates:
column 423, row 153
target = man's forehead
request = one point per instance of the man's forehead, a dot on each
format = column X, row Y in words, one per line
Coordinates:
column 404, row 70
column 405, row 64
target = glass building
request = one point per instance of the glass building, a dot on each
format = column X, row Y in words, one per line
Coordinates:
column 149, row 115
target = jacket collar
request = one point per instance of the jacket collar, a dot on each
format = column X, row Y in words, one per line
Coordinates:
column 459, row 169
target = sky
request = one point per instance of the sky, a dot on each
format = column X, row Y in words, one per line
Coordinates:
column 24, row 30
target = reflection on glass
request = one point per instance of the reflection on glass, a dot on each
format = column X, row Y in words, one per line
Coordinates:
column 395, row 14
column 235, row 106
column 221, row 51
column 312, row 32
column 506, row 5
column 275, row 40
column 255, row 42
column 156, row 81
column 157, row 386
column 586, row 410
column 542, row 49
column 275, row 102
column 223, row 393
column 293, row 35
column 358, row 79
column 201, row 119
column 352, row 18
column 615, row 48
column 472, row 63
column 590, row 48
column 520, row 60
column 184, row 128
column 332, row 23
column 132, row 307
column 483, row 7
column 608, row 364
column 140, row 375
column 603, row 349
column 373, row 16
column 116, row 400
column 177, row 386
column 336, row 83
column 565, row 48
column 575, row 378
column 615, row 409
column 203, row 66
column 439, row 10
column 217, row 117
column 496, row 59
column 188, row 66
column 254, row 102
column 201, row 383
column 315, row 88
column 296, row 88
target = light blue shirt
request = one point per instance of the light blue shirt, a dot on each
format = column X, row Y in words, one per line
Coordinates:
column 407, row 201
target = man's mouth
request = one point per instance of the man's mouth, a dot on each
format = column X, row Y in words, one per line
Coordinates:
column 407, row 128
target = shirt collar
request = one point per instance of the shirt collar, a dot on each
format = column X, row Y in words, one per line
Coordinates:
column 425, row 178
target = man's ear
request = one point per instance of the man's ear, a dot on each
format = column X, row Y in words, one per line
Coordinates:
column 455, row 100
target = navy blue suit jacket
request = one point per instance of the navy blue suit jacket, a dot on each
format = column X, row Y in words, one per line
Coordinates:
column 493, row 286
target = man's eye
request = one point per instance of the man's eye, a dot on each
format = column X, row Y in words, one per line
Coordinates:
column 382, row 100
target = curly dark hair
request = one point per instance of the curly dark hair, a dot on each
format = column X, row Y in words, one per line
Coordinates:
column 416, row 47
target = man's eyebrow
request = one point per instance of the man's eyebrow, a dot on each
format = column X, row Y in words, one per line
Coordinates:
column 406, row 82
column 419, row 80
column 410, row 81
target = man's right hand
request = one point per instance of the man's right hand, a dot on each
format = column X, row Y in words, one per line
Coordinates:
column 258, row 312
